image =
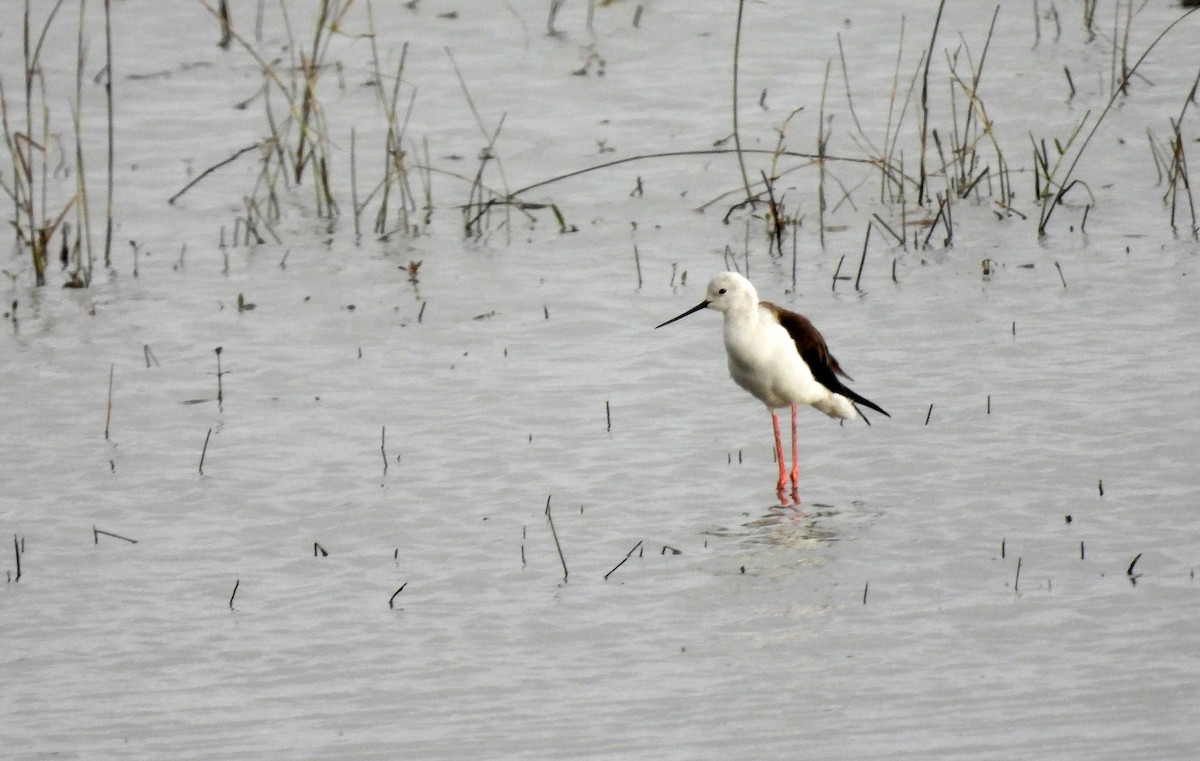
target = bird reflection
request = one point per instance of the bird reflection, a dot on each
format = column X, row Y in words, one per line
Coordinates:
column 785, row 526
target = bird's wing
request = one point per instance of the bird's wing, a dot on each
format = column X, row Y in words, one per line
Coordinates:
column 814, row 351
column 811, row 345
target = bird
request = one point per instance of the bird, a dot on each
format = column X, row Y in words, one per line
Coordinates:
column 781, row 359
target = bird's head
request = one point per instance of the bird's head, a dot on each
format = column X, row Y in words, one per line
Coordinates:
column 726, row 292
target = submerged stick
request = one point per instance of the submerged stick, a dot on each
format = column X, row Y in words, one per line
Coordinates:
column 212, row 169
column 220, row 393
column 236, row 583
column 204, row 451
column 863, row 260
column 382, row 450
column 550, row 520
column 1061, row 277
column 628, row 555
column 1129, row 570
column 1017, row 580
column 97, row 533
column 108, row 95
column 17, row 550
column 865, row 587
column 354, row 188
column 108, row 412
column 837, row 272
column 392, row 599
column 899, row 238
column 226, row 24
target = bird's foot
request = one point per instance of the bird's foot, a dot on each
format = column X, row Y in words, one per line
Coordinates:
column 787, row 497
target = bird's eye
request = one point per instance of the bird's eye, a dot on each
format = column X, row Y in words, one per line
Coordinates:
column 722, row 291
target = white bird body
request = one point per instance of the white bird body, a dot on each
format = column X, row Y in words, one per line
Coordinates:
column 780, row 358
column 763, row 360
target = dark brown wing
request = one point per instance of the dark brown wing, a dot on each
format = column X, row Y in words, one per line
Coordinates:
column 814, row 351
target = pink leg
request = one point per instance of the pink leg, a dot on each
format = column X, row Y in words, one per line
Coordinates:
column 795, row 459
column 779, row 454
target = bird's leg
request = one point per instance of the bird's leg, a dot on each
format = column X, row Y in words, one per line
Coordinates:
column 795, row 459
column 779, row 454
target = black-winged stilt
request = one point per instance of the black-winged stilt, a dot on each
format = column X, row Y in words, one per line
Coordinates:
column 780, row 358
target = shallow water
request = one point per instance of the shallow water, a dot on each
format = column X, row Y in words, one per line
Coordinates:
column 886, row 620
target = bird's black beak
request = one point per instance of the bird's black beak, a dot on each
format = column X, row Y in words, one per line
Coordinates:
column 697, row 308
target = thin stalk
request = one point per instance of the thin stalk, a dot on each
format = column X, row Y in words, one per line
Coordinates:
column 83, row 218
column 737, row 138
column 822, row 144
column 108, row 96
column 922, row 194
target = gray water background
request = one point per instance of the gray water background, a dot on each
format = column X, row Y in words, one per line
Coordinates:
column 886, row 621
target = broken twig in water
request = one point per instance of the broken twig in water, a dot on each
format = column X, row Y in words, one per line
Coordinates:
column 97, row 533
column 836, row 273
column 220, row 391
column 554, row 533
column 108, row 412
column 1061, row 277
column 392, row 599
column 1129, row 570
column 204, row 451
column 863, row 260
column 627, row 556
column 212, row 169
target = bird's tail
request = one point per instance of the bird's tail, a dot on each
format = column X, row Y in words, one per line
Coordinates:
column 864, row 401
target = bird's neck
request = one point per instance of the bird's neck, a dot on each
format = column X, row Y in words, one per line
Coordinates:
column 742, row 317
column 742, row 325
